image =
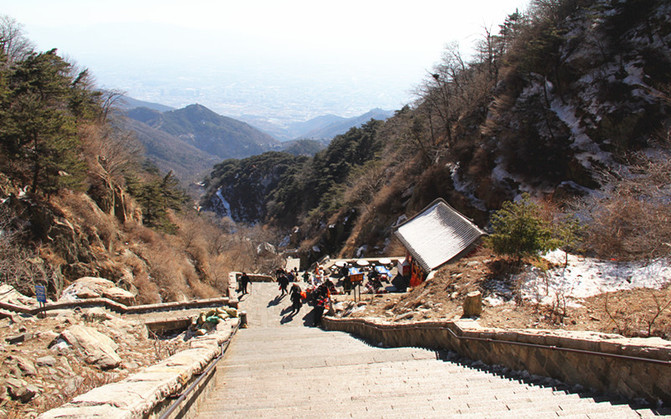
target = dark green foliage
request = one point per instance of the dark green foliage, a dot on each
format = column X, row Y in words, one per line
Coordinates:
column 332, row 166
column 304, row 147
column 41, row 108
column 280, row 187
column 156, row 197
column 520, row 230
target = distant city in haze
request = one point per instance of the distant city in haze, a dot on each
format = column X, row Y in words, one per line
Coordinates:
column 279, row 97
column 277, row 61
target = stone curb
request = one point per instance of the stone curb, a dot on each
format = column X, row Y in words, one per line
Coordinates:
column 139, row 394
column 627, row 367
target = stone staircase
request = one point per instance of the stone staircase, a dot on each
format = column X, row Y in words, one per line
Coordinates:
column 278, row 368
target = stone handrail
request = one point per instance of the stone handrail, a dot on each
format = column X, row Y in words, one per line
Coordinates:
column 631, row 368
column 122, row 308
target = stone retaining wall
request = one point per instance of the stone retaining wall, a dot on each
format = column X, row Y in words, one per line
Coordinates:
column 630, row 368
column 145, row 393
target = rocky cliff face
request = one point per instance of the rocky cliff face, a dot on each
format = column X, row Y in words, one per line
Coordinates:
column 245, row 190
column 576, row 90
column 596, row 90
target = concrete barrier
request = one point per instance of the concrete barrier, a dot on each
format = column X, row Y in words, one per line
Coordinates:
column 626, row 367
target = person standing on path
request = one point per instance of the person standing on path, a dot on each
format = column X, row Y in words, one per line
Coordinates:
column 244, row 280
column 295, row 296
column 283, row 280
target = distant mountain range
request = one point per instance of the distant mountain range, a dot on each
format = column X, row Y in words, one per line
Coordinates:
column 323, row 127
column 189, row 141
column 128, row 103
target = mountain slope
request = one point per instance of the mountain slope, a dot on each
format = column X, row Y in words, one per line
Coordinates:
column 324, row 127
column 207, row 131
column 564, row 96
column 169, row 152
column 300, row 129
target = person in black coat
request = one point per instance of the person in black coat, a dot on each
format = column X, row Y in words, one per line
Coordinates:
column 295, row 296
column 283, row 280
column 244, row 281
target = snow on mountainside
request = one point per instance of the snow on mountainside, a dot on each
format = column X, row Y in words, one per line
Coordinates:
column 601, row 93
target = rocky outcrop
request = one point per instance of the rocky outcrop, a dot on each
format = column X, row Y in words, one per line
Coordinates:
column 97, row 349
column 94, row 287
column 141, row 394
column 11, row 296
column 18, row 389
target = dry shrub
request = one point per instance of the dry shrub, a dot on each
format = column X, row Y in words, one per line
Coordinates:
column 628, row 229
column 648, row 315
column 219, row 270
column 239, row 255
column 147, row 291
column 201, row 289
column 193, row 263
column 140, row 233
column 97, row 224
column 168, row 270
column 395, row 247
column 631, row 221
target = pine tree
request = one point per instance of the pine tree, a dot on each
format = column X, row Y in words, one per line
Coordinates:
column 38, row 130
column 520, row 230
column 156, row 197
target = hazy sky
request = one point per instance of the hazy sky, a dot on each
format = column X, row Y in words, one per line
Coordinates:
column 342, row 55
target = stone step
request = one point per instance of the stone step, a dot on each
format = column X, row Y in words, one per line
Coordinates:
column 434, row 399
column 284, row 370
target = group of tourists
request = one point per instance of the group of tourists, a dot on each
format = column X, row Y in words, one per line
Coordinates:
column 284, row 278
column 319, row 287
column 317, row 293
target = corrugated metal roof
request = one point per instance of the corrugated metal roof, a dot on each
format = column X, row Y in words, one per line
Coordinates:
column 437, row 235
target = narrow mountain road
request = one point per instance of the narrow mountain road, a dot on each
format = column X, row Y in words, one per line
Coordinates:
column 279, row 368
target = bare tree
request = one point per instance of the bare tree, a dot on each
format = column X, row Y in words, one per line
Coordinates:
column 364, row 182
column 13, row 44
column 109, row 101
column 439, row 92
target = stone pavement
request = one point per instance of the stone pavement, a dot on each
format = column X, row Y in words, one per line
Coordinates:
column 279, row 368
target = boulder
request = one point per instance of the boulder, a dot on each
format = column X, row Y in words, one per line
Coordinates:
column 11, row 296
column 20, row 390
column 119, row 295
column 95, row 287
column 46, row 361
column 25, row 365
column 84, row 294
column 98, row 350
column 19, row 338
column 96, row 314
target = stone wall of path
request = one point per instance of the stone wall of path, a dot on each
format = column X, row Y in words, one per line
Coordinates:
column 149, row 391
column 627, row 367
